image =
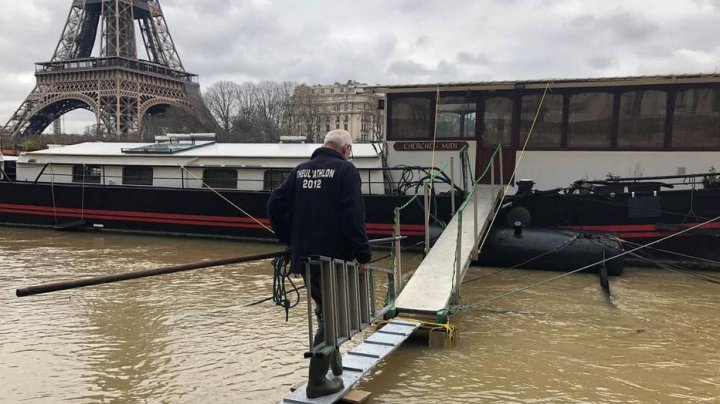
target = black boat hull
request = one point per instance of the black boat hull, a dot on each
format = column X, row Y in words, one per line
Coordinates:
column 561, row 250
column 184, row 212
column 655, row 218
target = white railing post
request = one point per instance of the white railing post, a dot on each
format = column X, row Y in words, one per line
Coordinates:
column 502, row 180
column 492, row 170
column 398, row 253
column 458, row 255
column 475, row 222
column 426, row 203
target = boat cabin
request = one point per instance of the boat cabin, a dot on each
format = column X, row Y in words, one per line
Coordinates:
column 560, row 131
column 185, row 161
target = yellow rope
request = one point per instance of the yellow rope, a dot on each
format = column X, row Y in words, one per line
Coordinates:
column 450, row 329
column 227, row 200
column 437, row 104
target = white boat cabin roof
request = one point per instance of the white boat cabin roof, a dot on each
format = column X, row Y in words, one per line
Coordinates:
column 270, row 154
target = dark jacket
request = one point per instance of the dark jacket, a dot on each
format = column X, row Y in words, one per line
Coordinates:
column 319, row 210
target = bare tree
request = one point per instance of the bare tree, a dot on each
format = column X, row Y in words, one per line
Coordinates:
column 377, row 121
column 262, row 111
column 223, row 101
column 306, row 114
column 169, row 120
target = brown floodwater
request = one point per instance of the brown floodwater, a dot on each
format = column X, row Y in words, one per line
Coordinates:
column 191, row 338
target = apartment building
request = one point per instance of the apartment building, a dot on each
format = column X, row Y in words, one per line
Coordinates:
column 318, row 109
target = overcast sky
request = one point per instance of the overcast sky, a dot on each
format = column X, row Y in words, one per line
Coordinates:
column 396, row 41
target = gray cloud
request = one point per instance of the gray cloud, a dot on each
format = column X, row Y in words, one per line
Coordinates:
column 423, row 41
column 391, row 42
column 408, row 68
column 622, row 26
column 473, row 58
column 601, row 62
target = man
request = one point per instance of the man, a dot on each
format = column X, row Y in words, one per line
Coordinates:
column 319, row 210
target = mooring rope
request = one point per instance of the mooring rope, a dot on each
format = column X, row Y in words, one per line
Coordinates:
column 450, row 329
column 603, row 261
column 517, row 165
column 564, row 244
column 709, row 261
column 182, row 167
column 675, row 269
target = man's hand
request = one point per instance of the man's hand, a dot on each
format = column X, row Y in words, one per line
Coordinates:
column 362, row 268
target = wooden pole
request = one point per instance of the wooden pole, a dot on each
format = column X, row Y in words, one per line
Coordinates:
column 99, row 280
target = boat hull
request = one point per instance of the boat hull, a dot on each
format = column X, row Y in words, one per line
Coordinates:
column 561, row 250
column 672, row 223
column 184, row 212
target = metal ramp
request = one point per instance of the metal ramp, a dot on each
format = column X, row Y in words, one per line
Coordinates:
column 349, row 306
column 437, row 279
column 427, row 294
column 360, row 360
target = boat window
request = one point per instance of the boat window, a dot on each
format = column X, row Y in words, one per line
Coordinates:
column 697, row 118
column 87, row 174
column 497, row 121
column 410, row 118
column 273, row 178
column 456, row 117
column 590, row 120
column 547, row 131
column 220, row 178
column 137, row 175
column 642, row 119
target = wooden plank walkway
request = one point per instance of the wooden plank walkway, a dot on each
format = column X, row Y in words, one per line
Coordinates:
column 430, row 288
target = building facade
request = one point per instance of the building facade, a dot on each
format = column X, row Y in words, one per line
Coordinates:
column 318, row 109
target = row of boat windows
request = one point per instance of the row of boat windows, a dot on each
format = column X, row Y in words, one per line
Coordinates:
column 143, row 175
column 638, row 119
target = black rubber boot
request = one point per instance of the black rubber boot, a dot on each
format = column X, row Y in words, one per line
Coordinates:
column 319, row 385
column 336, row 364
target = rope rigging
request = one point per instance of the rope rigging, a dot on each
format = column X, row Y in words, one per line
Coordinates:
column 677, row 270
column 603, row 261
column 281, row 274
column 227, row 200
column 713, row 262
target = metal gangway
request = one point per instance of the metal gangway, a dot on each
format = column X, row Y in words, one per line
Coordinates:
column 425, row 299
column 349, row 306
column 436, row 282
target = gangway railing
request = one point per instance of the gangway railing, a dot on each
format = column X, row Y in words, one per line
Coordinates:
column 473, row 200
column 434, row 286
column 425, row 189
column 471, row 197
column 349, row 300
column 349, row 306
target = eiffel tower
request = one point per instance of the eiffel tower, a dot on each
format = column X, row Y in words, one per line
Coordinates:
column 117, row 87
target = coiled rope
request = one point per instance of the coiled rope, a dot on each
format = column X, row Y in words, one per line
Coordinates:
column 281, row 274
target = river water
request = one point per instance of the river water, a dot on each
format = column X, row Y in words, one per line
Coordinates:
column 191, row 338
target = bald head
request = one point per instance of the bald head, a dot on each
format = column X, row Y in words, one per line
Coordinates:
column 340, row 141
